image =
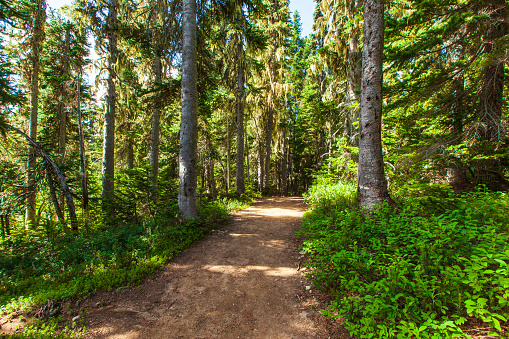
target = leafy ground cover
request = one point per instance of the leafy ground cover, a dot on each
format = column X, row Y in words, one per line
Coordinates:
column 434, row 268
column 55, row 266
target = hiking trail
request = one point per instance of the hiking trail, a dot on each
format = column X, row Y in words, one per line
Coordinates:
column 240, row 281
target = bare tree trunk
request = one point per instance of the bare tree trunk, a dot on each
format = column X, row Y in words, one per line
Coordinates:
column 371, row 184
column 58, row 175
column 209, row 165
column 290, row 172
column 108, row 170
column 455, row 172
column 7, row 223
column 53, row 194
column 492, row 88
column 211, row 179
column 154, row 135
column 188, row 125
column 228, row 153
column 329, row 144
column 271, row 97
column 284, row 167
column 247, row 158
column 36, row 47
column 268, row 151
column 261, row 168
column 353, row 80
column 63, row 98
column 239, row 178
column 3, row 225
column 83, row 167
column 130, row 153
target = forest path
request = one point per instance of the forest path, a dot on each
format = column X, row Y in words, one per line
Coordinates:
column 241, row 281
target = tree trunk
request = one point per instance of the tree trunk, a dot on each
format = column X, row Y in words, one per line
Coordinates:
column 108, row 169
column 353, row 80
column 209, row 165
column 271, row 97
column 188, row 124
column 156, row 117
column 228, row 151
column 247, row 157
column 329, row 145
column 239, row 178
column 455, row 172
column 492, row 88
column 371, row 184
column 82, row 145
column 130, row 152
column 284, row 166
column 36, row 47
column 7, row 223
column 58, row 175
column 211, row 180
column 261, row 167
column 268, row 151
column 63, row 98
column 53, row 194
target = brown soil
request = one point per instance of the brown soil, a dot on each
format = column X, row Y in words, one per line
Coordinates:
column 241, row 281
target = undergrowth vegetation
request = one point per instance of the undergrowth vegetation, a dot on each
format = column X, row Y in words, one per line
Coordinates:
column 56, row 265
column 436, row 267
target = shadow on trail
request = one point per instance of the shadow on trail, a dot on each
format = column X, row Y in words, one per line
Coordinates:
column 241, row 281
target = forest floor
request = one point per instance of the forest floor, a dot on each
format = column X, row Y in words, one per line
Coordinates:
column 244, row 280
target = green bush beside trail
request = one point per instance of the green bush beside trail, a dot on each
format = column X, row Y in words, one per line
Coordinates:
column 419, row 271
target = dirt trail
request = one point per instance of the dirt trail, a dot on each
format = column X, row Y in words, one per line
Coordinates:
column 241, row 281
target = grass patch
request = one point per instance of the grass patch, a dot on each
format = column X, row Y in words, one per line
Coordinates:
column 424, row 271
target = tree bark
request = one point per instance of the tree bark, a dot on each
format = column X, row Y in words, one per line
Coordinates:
column 329, row 144
column 53, row 194
column 108, row 168
column 371, row 184
column 240, row 184
column 272, row 96
column 7, row 223
column 455, row 172
column 211, row 180
column 36, row 46
column 187, row 200
column 284, row 167
column 247, row 157
column 83, row 167
column 63, row 98
column 268, row 150
column 261, row 167
column 492, row 88
column 228, row 151
column 130, row 151
column 156, row 117
column 353, row 80
column 209, row 168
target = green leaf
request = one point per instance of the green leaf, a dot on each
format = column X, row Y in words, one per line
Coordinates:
column 496, row 324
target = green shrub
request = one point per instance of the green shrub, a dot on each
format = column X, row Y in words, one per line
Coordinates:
column 330, row 194
column 419, row 272
column 38, row 329
column 38, row 267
